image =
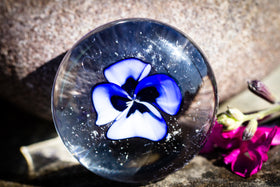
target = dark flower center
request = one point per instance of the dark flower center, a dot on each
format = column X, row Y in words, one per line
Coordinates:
column 119, row 102
column 130, row 86
column 148, row 94
column 137, row 106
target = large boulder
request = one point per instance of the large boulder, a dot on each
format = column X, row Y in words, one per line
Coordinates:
column 240, row 38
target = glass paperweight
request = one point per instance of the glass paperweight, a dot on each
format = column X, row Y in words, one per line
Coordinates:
column 134, row 100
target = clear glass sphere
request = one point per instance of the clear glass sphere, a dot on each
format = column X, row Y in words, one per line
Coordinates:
column 134, row 100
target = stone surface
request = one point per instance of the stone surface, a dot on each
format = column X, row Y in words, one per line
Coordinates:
column 18, row 129
column 201, row 171
column 240, row 39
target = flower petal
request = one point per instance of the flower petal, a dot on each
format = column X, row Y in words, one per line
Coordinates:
column 235, row 133
column 246, row 164
column 119, row 72
column 276, row 139
column 267, row 130
column 102, row 101
column 214, row 139
column 231, row 157
column 263, row 143
column 161, row 90
column 143, row 125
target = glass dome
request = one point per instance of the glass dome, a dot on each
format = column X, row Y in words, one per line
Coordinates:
column 134, row 100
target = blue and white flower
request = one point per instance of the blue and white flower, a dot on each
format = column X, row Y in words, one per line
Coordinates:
column 132, row 100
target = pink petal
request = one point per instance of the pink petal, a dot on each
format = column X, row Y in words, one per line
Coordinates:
column 236, row 133
column 231, row 139
column 246, row 164
column 276, row 139
column 229, row 143
column 231, row 157
column 264, row 145
column 212, row 139
column 224, row 140
column 266, row 131
column 208, row 147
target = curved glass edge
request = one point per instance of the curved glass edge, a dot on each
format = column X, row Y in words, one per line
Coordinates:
column 210, row 72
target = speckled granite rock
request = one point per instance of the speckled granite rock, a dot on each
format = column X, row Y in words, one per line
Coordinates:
column 240, row 38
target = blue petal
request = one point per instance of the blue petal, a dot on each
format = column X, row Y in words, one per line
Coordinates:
column 119, row 72
column 143, row 125
column 107, row 110
column 160, row 90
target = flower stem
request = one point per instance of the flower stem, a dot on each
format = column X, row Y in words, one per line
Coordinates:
column 261, row 114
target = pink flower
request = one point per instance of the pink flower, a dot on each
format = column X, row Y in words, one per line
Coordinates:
column 225, row 140
column 245, row 157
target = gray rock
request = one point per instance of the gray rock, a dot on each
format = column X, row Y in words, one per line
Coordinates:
column 240, row 38
column 207, row 170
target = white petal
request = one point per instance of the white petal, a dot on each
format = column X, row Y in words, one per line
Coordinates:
column 143, row 125
column 151, row 108
column 101, row 98
column 120, row 71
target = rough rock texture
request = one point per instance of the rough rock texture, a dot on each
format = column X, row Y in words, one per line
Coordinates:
column 19, row 128
column 240, row 38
